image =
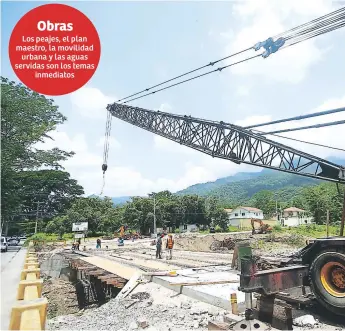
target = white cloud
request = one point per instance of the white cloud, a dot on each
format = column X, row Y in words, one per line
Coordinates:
column 165, row 107
column 329, row 136
column 113, row 143
column 164, row 144
column 266, row 18
column 91, row 102
column 77, row 143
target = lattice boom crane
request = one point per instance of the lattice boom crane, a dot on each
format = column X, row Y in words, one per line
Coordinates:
column 228, row 141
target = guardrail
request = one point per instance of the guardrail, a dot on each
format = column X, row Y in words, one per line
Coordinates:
column 30, row 311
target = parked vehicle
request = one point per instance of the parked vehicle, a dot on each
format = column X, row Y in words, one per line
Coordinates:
column 4, row 245
column 13, row 241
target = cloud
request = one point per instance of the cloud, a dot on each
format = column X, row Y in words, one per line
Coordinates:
column 77, row 143
column 262, row 19
column 165, row 107
column 91, row 102
column 329, row 136
column 113, row 143
column 164, row 144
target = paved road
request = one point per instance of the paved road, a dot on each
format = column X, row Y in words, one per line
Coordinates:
column 11, row 265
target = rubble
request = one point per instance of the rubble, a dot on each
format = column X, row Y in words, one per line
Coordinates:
column 115, row 316
column 305, row 321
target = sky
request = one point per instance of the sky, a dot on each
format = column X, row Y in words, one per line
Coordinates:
column 144, row 43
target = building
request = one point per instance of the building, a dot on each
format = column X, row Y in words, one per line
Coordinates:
column 189, row 228
column 241, row 216
column 294, row 217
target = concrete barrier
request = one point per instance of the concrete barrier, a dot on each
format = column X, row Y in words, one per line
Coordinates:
column 30, row 311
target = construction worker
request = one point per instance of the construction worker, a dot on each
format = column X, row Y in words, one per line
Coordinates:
column 169, row 246
column 159, row 246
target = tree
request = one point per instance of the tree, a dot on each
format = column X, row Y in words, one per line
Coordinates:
column 321, row 198
column 264, row 200
column 27, row 118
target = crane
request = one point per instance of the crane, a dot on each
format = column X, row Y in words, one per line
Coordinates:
column 229, row 141
column 321, row 264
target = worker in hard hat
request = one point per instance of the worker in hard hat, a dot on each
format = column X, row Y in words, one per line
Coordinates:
column 169, row 246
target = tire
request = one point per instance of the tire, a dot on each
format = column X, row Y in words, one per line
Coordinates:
column 326, row 291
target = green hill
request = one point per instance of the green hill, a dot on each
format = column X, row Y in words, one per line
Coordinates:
column 240, row 188
column 236, row 190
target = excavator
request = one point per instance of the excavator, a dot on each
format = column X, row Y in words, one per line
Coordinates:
column 263, row 228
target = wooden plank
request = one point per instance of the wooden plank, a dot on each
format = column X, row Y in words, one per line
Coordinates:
column 129, row 287
column 111, row 266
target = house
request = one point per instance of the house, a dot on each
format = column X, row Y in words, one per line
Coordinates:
column 189, row 228
column 241, row 216
column 295, row 216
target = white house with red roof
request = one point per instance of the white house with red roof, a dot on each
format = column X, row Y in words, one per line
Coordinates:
column 295, row 216
column 241, row 216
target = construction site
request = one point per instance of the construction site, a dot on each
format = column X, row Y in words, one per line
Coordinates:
column 253, row 279
column 128, row 288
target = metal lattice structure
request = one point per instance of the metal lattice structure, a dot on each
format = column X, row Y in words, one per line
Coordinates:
column 228, row 141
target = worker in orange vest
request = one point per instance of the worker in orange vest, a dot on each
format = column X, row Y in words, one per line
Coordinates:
column 170, row 246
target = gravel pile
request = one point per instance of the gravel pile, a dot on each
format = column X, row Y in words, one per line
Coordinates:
column 164, row 309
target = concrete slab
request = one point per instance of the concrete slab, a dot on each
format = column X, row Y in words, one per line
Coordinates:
column 111, row 266
column 214, row 294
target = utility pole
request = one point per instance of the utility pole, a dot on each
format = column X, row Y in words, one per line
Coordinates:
column 38, row 208
column 154, row 214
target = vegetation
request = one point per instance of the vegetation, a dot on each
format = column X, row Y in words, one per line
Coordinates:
column 28, row 118
column 35, row 186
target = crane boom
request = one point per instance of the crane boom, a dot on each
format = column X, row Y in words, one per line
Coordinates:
column 228, row 141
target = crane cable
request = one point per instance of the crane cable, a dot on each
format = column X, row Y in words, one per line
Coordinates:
column 298, row 140
column 298, row 118
column 315, row 126
column 106, row 147
column 291, row 37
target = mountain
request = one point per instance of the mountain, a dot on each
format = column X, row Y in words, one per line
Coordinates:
column 117, row 201
column 239, row 188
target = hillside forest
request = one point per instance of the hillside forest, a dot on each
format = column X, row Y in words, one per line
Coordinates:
column 39, row 195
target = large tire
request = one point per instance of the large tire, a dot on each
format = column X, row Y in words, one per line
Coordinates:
column 329, row 292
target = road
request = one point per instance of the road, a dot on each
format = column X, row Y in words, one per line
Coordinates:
column 11, row 265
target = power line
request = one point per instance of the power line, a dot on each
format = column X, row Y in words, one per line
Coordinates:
column 315, row 126
column 298, row 118
column 316, row 27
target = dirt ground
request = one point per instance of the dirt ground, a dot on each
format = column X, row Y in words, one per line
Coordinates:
column 156, row 305
column 61, row 296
